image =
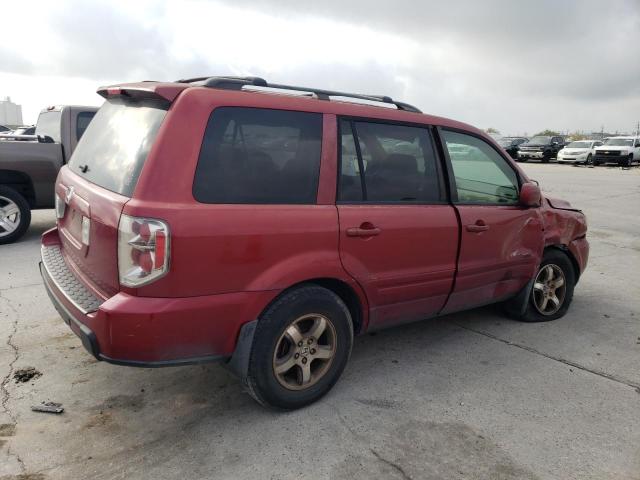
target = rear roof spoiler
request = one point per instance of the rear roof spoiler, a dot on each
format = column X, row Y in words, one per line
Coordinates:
column 166, row 92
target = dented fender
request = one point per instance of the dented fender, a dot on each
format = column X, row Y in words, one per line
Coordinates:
column 566, row 227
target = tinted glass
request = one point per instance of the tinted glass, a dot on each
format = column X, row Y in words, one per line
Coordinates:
column 116, row 143
column 397, row 164
column 82, row 122
column 481, row 174
column 259, row 156
column 49, row 125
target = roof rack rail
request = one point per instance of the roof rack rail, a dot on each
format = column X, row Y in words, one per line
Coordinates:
column 237, row 83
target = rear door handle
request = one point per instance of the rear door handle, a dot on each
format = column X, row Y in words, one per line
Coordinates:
column 365, row 230
column 479, row 226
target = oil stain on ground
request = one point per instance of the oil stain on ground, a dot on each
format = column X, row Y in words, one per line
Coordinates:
column 7, row 430
column 421, row 449
column 105, row 413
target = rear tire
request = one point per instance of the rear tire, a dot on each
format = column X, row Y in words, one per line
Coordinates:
column 290, row 366
column 15, row 215
column 552, row 290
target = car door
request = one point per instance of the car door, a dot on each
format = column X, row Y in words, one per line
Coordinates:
column 398, row 235
column 501, row 241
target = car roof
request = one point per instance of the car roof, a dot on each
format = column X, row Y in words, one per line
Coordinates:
column 281, row 97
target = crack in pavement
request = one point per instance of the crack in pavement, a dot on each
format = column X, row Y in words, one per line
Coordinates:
column 20, row 286
column 600, row 373
column 7, row 378
column 393, row 465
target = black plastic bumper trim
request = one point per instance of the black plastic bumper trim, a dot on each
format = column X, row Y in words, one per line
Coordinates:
column 86, row 335
column 164, row 363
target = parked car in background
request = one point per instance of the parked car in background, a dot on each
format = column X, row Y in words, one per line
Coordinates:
column 580, row 151
column 512, row 144
column 541, row 147
column 620, row 150
column 20, row 134
column 28, row 170
column 4, row 128
column 294, row 219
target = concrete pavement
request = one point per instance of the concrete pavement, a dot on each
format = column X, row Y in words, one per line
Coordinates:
column 471, row 395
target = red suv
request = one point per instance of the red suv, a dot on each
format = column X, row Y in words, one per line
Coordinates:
column 263, row 226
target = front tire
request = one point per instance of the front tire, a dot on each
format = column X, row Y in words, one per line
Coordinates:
column 301, row 346
column 15, row 215
column 589, row 160
column 552, row 290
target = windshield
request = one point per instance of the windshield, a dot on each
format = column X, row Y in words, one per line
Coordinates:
column 115, row 145
column 49, row 125
column 505, row 142
column 619, row 142
column 541, row 140
column 580, row 144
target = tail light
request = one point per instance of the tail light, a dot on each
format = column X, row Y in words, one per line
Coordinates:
column 143, row 250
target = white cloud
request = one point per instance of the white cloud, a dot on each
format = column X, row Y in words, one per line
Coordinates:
column 512, row 65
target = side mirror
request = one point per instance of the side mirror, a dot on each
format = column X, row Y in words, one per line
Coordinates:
column 530, row 195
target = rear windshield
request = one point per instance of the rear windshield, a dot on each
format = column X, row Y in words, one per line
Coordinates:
column 49, row 125
column 116, row 143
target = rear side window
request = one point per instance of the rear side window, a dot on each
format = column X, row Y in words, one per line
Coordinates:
column 482, row 176
column 387, row 163
column 82, row 122
column 116, row 143
column 259, row 156
column 49, row 125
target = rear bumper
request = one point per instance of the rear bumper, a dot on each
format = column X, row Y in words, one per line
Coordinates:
column 154, row 332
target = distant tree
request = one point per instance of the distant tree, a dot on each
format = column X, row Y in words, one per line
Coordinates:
column 547, row 133
column 578, row 136
column 491, row 130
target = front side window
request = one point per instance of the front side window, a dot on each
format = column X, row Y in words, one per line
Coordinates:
column 259, row 156
column 387, row 163
column 482, row 176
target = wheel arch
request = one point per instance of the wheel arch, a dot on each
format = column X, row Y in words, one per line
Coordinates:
column 565, row 249
column 351, row 294
column 20, row 182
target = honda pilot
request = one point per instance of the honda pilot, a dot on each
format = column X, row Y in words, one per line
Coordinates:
column 263, row 226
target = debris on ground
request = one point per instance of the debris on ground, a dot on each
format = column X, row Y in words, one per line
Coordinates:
column 23, row 375
column 48, row 407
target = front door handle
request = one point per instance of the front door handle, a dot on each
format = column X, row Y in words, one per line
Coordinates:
column 479, row 226
column 365, row 230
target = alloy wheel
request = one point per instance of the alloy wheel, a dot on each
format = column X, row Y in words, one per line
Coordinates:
column 549, row 289
column 9, row 216
column 305, row 351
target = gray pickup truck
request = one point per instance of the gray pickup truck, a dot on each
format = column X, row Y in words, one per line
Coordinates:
column 29, row 165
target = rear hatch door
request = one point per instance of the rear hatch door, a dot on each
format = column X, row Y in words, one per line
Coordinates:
column 98, row 181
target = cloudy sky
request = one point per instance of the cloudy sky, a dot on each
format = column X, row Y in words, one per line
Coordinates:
column 519, row 66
